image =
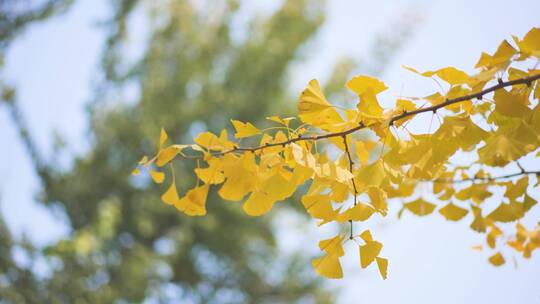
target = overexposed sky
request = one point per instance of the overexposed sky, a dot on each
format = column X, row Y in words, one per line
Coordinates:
column 53, row 66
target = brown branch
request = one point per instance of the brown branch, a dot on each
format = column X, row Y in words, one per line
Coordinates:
column 351, row 164
column 484, row 179
column 434, row 108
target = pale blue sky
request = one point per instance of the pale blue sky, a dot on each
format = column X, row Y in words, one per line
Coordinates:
column 54, row 64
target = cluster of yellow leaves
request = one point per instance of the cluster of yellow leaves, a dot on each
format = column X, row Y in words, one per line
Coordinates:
column 493, row 128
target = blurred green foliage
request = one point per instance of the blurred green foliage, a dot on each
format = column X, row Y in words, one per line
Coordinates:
column 204, row 63
column 125, row 244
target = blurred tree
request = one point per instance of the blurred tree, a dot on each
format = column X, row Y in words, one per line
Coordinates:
column 204, row 62
column 15, row 15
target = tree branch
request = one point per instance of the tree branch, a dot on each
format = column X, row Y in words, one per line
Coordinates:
column 351, row 164
column 434, row 108
column 484, row 179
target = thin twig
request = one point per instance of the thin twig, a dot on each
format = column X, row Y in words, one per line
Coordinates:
column 351, row 165
column 484, row 179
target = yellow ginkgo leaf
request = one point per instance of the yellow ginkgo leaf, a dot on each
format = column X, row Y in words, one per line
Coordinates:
column 208, row 140
column 135, row 172
column 516, row 190
column 244, row 129
column 382, row 263
column 497, row 259
column 162, row 137
column 157, row 177
column 170, row 196
column 360, row 212
column 240, row 174
column 363, row 85
column 509, row 104
column 332, row 246
column 194, row 203
column 210, row 175
column 314, row 109
column 166, row 155
column 477, row 247
column 530, row 45
column 453, row 212
column 283, row 121
column 302, row 156
column 499, row 60
column 328, row 266
column 512, row 211
column 258, row 204
column 369, row 252
column 366, row 236
column 420, row 207
column 312, row 99
column 449, row 74
column 319, row 206
column 377, row 198
column 479, row 222
column 453, row 76
column 500, row 150
column 361, row 152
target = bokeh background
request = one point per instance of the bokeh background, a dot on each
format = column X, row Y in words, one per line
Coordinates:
column 86, row 85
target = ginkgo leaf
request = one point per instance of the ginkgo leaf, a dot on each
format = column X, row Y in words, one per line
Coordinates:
column 170, row 196
column 258, row 204
column 360, row 212
column 512, row 211
column 479, row 222
column 497, row 259
column 328, row 266
column 530, row 45
column 332, row 246
column 366, row 236
column 377, row 198
column 453, row 76
column 518, row 189
column 453, row 212
column 477, row 247
column 314, row 109
column 476, row 192
column 460, row 126
column 369, row 252
column 371, row 175
column 367, row 89
column 499, row 60
column 491, row 237
column 363, row 85
column 500, row 150
column 361, row 152
column 420, row 207
column 157, row 177
column 319, row 206
column 382, row 263
column 162, row 137
column 194, row 203
column 166, row 155
column 210, row 141
column 283, row 121
column 509, row 104
column 240, row 174
column 210, row 175
column 135, row 171
column 449, row 74
column 244, row 129
column 302, row 156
